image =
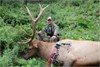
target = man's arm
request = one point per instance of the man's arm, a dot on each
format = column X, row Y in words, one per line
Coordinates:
column 42, row 31
column 56, row 31
column 41, row 34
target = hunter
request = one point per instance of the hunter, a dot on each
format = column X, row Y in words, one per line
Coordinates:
column 49, row 33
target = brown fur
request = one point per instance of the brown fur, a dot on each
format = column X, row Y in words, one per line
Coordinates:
column 80, row 53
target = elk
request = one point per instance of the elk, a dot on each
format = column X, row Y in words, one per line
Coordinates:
column 79, row 53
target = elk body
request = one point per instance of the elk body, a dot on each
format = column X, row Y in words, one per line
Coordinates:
column 79, row 53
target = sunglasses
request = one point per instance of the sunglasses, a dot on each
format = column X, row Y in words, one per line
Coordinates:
column 49, row 19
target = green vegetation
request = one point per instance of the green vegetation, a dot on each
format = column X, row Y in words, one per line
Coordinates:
column 78, row 19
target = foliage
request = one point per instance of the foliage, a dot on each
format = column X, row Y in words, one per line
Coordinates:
column 9, row 57
column 78, row 19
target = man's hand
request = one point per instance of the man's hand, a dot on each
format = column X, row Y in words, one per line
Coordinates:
column 53, row 38
column 38, row 32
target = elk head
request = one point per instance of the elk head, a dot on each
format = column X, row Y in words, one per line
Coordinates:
column 32, row 50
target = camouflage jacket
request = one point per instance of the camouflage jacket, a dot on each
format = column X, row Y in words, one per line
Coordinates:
column 50, row 30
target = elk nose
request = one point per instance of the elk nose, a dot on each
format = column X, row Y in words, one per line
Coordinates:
column 25, row 57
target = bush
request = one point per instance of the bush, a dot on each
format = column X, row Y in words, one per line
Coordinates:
column 9, row 57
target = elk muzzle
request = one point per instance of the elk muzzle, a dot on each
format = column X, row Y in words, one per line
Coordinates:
column 30, row 53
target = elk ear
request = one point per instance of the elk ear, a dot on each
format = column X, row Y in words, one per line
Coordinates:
column 33, row 44
column 36, row 45
column 30, row 47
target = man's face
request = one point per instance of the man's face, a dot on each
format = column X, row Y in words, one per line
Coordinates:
column 49, row 21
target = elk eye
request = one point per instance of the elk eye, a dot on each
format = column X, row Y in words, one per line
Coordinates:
column 30, row 47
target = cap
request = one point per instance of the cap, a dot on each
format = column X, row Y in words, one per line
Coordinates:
column 49, row 18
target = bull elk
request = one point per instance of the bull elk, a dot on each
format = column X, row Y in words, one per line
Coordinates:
column 79, row 53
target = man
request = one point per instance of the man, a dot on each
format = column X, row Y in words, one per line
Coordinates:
column 51, row 31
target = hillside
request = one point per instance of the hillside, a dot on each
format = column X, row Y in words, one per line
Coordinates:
column 77, row 19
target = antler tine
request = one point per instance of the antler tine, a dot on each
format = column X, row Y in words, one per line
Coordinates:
column 26, row 32
column 40, row 6
column 41, row 11
column 45, row 7
column 34, row 24
column 25, row 41
column 32, row 18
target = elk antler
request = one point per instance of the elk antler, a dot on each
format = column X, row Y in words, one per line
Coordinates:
column 22, row 28
column 34, row 21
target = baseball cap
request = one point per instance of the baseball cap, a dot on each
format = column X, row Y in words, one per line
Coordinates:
column 49, row 18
